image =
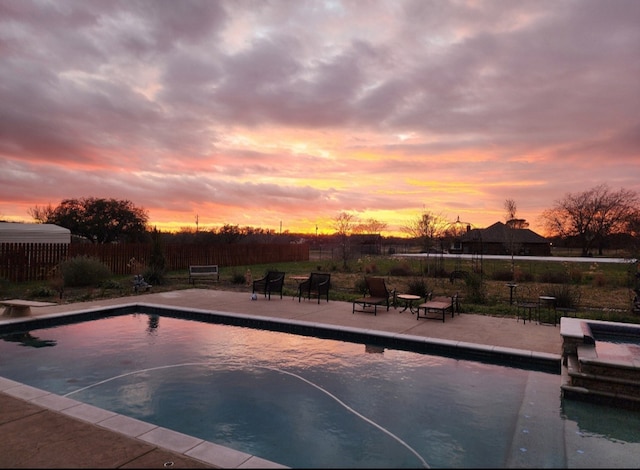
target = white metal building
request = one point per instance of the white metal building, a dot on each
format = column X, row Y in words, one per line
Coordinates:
column 33, row 233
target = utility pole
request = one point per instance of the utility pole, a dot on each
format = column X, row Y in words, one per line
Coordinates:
column 196, row 223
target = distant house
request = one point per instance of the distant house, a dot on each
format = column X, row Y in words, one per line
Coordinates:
column 14, row 232
column 499, row 239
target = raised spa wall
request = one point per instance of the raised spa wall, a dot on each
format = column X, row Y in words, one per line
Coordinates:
column 585, row 376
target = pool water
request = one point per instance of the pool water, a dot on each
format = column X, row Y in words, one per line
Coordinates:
column 618, row 347
column 310, row 402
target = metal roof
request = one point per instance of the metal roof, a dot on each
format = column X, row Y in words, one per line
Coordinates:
column 11, row 232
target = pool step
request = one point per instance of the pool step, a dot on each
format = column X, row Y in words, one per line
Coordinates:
column 579, row 381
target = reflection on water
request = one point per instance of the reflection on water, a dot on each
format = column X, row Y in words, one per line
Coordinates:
column 371, row 349
column 27, row 339
column 603, row 420
column 617, row 351
column 254, row 390
column 154, row 322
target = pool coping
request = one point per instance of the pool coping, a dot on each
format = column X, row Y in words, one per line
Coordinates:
column 215, row 454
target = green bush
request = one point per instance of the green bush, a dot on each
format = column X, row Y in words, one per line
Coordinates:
column 566, row 296
column 475, row 290
column 361, row 286
column 155, row 272
column 111, row 284
column 417, row 286
column 238, row 278
column 83, row 271
column 42, row 292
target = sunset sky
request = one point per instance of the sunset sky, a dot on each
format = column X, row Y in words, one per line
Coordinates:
column 281, row 114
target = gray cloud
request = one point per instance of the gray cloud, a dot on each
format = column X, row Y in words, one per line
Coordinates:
column 382, row 107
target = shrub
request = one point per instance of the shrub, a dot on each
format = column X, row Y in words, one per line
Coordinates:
column 575, row 275
column 371, row 268
column 42, row 292
column 154, row 276
column 553, row 277
column 83, row 271
column 566, row 296
column 400, row 270
column 418, row 287
column 522, row 276
column 439, row 272
column 502, row 275
column 475, row 291
column 599, row 280
column 111, row 284
column 361, row 286
column 155, row 272
column 238, row 278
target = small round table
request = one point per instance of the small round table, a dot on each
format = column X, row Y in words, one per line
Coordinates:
column 408, row 300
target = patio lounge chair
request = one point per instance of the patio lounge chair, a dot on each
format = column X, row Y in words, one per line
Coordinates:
column 439, row 306
column 273, row 282
column 318, row 284
column 376, row 294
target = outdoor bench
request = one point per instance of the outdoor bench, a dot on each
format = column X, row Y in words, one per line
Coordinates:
column 17, row 308
column 203, row 271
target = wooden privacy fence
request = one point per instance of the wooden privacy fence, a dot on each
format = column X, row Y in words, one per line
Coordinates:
column 21, row 262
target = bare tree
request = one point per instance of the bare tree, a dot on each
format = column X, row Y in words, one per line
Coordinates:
column 511, row 220
column 511, row 208
column 426, row 228
column 512, row 224
column 343, row 224
column 370, row 226
column 42, row 215
column 591, row 216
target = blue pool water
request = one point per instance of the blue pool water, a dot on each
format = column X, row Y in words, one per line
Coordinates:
column 309, row 402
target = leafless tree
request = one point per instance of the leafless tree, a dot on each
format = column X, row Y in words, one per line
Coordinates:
column 592, row 215
column 42, row 215
column 511, row 211
column 512, row 224
column 370, row 226
column 344, row 224
column 427, row 227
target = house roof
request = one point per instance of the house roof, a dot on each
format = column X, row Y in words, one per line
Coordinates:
column 13, row 232
column 501, row 233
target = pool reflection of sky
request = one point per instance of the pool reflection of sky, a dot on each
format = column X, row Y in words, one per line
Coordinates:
column 617, row 351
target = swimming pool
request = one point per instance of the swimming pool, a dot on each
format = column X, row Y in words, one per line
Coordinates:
column 313, row 402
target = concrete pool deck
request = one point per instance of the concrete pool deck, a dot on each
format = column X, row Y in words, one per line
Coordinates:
column 39, row 430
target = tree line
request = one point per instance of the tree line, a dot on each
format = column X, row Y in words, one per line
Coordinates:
column 591, row 219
